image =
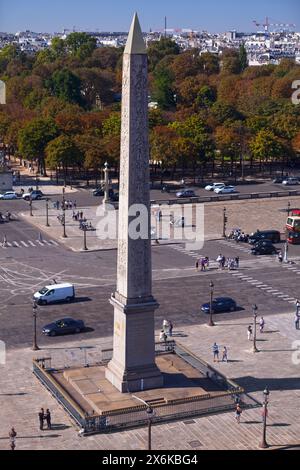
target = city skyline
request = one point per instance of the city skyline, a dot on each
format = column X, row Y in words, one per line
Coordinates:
column 92, row 16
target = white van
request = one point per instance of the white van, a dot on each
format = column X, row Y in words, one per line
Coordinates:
column 55, row 293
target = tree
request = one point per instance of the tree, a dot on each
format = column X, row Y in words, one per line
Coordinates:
column 230, row 61
column 112, row 125
column 266, row 146
column 33, row 139
column 81, row 45
column 159, row 49
column 65, row 85
column 210, row 63
column 243, row 58
column 163, row 91
column 63, row 152
column 206, row 96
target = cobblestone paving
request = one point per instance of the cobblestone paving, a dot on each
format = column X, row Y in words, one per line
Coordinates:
column 21, row 396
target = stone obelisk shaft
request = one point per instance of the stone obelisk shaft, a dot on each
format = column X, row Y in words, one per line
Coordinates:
column 133, row 367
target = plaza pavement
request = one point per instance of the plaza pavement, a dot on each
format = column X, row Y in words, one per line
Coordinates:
column 21, row 395
column 243, row 214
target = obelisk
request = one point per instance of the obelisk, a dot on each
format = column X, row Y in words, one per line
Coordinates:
column 133, row 367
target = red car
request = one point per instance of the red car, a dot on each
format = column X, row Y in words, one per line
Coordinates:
column 293, row 238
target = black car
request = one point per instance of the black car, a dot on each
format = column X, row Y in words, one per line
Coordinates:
column 63, row 327
column 272, row 235
column 278, row 179
column 220, row 305
column 265, row 248
column 100, row 192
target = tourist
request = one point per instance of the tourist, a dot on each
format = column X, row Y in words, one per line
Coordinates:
column 249, row 332
column 215, row 349
column 41, row 419
column 237, row 262
column 197, row 265
column 238, row 412
column 298, row 306
column 165, row 326
column 170, row 328
column 224, row 356
column 261, row 324
column 48, row 418
column 219, row 260
column 280, row 257
column 297, row 320
column 162, row 336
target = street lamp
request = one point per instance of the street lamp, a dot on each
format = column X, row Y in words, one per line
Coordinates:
column 211, row 285
column 36, row 181
column 150, row 413
column 254, row 309
column 64, row 213
column 264, row 443
column 288, row 208
column 34, row 312
column 47, row 212
column 225, row 219
column 106, row 183
column 84, row 228
column 30, row 205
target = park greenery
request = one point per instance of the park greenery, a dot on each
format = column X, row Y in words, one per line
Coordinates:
column 63, row 108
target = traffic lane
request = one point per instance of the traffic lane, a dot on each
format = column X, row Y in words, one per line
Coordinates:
column 180, row 300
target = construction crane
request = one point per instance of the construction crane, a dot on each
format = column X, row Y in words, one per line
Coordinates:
column 266, row 24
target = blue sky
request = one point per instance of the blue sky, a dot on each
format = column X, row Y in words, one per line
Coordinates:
column 115, row 15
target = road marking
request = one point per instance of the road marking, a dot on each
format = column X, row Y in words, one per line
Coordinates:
column 23, row 243
column 31, row 243
column 16, row 244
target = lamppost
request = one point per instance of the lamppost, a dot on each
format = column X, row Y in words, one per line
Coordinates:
column 36, row 181
column 106, row 183
column 288, row 208
column 264, row 443
column 34, row 312
column 211, row 285
column 254, row 309
column 150, row 413
column 64, row 213
column 47, row 212
column 225, row 219
column 30, row 205
column 84, row 237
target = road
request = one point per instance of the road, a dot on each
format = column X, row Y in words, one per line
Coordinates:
column 30, row 263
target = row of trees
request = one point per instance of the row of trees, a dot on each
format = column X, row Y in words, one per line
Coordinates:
column 63, row 107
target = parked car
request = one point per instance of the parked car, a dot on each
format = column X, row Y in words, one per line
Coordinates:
column 293, row 238
column 220, row 305
column 272, row 235
column 225, row 190
column 278, row 179
column 213, row 186
column 264, row 249
column 185, row 193
column 63, row 327
column 9, row 195
column 100, row 192
column 55, row 293
column 34, row 195
column 290, row 181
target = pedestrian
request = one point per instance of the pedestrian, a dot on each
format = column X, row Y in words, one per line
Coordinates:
column 75, row 204
column 261, row 324
column 203, row 264
column 238, row 412
column 237, row 262
column 215, row 349
column 162, row 336
column 48, row 418
column 249, row 332
column 297, row 319
column 219, row 260
column 224, row 356
column 170, row 328
column 280, row 257
column 165, row 326
column 207, row 261
column 298, row 307
column 81, row 215
column 41, row 419
column 197, row 265
column 12, row 437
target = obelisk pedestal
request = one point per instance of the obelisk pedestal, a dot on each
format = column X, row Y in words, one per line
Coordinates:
column 133, row 367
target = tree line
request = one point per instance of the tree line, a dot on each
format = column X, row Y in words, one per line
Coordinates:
column 211, row 111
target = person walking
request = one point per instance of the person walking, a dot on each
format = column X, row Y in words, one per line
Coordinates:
column 170, row 328
column 297, row 320
column 48, row 418
column 41, row 419
column 165, row 326
column 197, row 265
column 249, row 332
column 215, row 349
column 12, row 438
column 298, row 307
column 219, row 260
column 261, row 324
column 280, row 257
column 162, row 336
column 225, row 354
column 237, row 262
column 238, row 412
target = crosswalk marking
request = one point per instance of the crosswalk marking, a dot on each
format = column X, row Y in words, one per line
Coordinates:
column 31, row 243
column 28, row 244
column 25, row 244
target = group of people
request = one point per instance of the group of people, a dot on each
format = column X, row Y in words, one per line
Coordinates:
column 44, row 417
column 216, row 352
column 65, row 205
column 77, row 215
column 230, row 263
column 203, row 263
column 261, row 328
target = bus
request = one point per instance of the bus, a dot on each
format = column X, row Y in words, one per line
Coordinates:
column 293, row 224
